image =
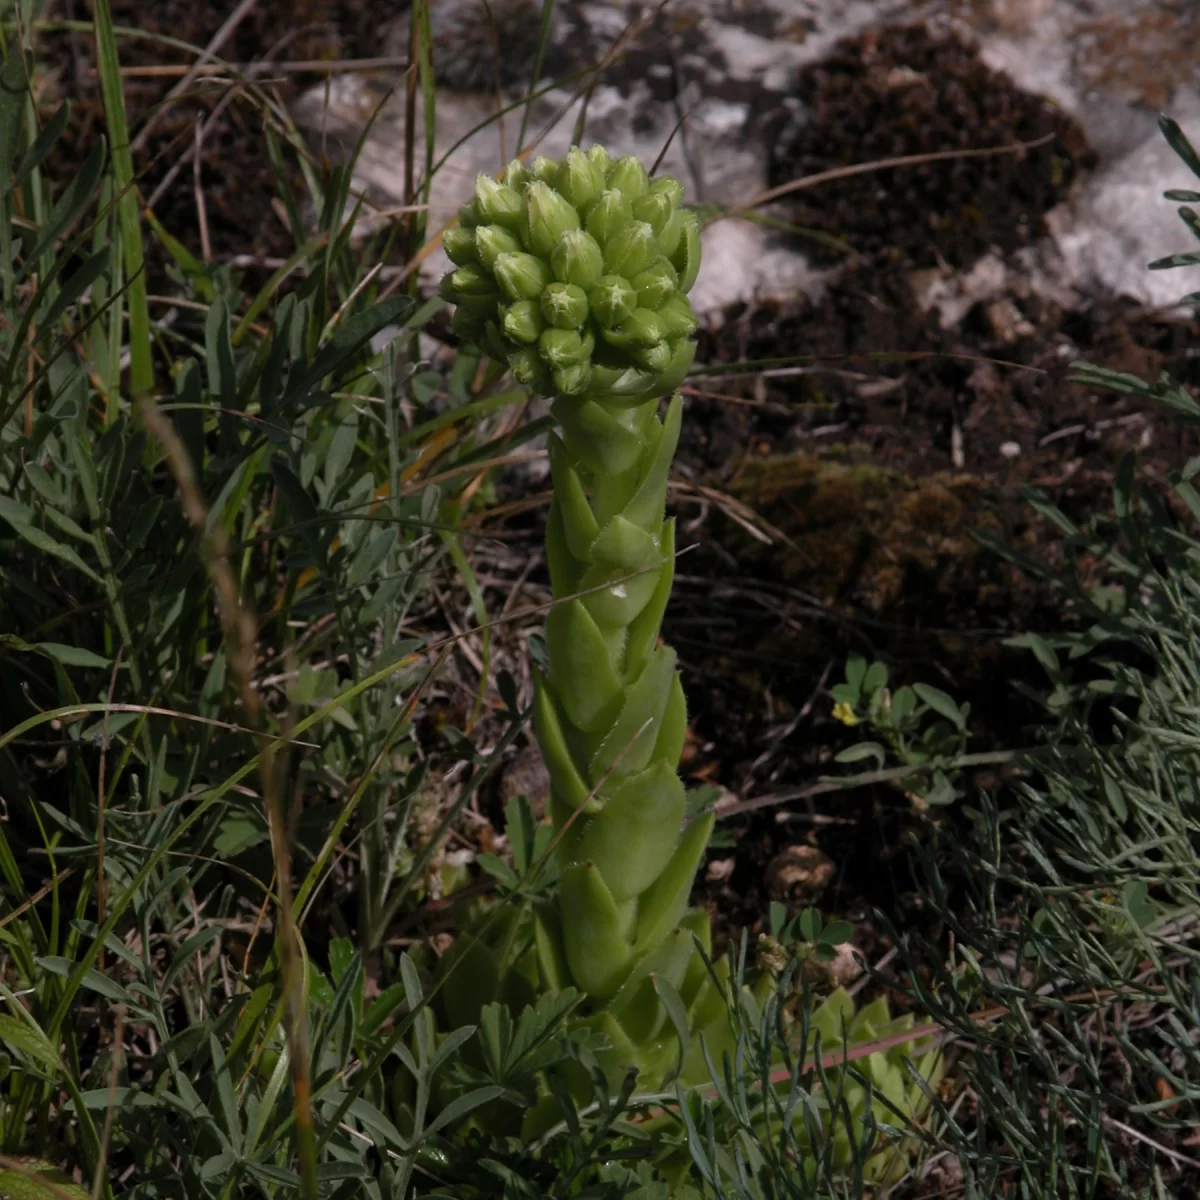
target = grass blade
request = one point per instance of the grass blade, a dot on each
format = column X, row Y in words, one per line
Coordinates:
column 141, row 363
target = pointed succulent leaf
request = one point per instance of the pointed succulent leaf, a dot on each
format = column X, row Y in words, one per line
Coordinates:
column 671, row 234
column 686, row 256
column 548, row 942
column 581, row 671
column 622, row 545
column 672, row 733
column 643, row 629
column 578, row 521
column 615, row 597
column 636, row 1006
column 596, row 436
column 595, row 937
column 664, row 902
column 628, row 745
column 631, row 839
column 565, row 780
column 565, row 571
column 647, row 503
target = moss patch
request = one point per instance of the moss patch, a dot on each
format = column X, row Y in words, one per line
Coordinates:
column 871, row 537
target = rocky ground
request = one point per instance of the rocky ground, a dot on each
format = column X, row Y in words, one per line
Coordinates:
column 929, row 313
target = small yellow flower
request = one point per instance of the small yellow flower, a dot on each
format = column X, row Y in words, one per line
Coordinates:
column 844, row 713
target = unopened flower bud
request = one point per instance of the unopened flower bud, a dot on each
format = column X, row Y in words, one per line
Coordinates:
column 577, row 179
column 630, row 176
column 544, row 169
column 528, row 367
column 468, row 216
column 464, row 282
column 610, row 211
column 548, row 217
column 656, row 206
column 491, row 241
column 577, row 259
column 677, row 317
column 641, row 328
column 570, row 381
column 516, row 175
column 612, row 300
column 522, row 276
column 459, row 245
column 523, row 321
column 564, row 305
column 630, row 250
column 655, row 284
column 563, row 347
column 497, row 204
column 471, row 280
column 600, row 159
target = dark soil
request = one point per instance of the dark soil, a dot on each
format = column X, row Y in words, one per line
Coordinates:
column 902, row 90
column 239, row 184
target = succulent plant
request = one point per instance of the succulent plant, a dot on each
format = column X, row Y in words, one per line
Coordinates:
column 835, row 1025
column 575, row 274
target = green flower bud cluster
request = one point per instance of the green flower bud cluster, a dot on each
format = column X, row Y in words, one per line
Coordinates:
column 575, row 274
